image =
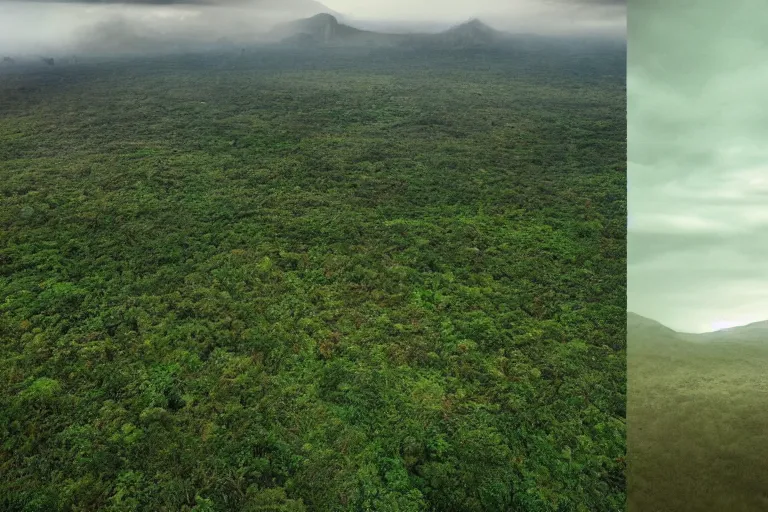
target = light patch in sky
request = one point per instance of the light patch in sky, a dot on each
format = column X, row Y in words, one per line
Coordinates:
column 677, row 223
column 718, row 325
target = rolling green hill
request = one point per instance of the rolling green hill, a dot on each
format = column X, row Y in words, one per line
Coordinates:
column 697, row 411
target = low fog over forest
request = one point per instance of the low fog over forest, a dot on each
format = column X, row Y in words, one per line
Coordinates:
column 63, row 28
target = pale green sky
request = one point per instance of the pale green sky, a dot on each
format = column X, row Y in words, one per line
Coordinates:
column 698, row 162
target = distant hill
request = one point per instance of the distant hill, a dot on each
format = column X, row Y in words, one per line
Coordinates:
column 695, row 412
column 637, row 322
column 472, row 33
column 649, row 336
column 640, row 326
column 756, row 332
column 321, row 27
column 325, row 29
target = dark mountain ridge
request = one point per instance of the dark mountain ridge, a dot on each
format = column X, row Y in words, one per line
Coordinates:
column 472, row 32
column 325, row 29
column 756, row 332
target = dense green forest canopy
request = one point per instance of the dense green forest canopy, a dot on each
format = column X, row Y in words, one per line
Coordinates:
column 386, row 280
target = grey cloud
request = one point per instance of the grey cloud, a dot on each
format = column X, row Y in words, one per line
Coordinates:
column 643, row 247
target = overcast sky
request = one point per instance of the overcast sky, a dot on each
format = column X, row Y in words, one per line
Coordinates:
column 698, row 162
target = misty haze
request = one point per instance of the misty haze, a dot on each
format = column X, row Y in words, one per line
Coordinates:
column 99, row 27
column 299, row 257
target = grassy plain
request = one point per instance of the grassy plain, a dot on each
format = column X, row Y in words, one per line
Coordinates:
column 387, row 280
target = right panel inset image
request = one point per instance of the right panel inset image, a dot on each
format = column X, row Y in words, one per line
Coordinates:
column 697, row 327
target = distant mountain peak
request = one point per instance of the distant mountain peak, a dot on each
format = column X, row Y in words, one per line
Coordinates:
column 325, row 29
column 634, row 320
column 324, row 17
column 322, row 27
column 473, row 24
column 472, row 32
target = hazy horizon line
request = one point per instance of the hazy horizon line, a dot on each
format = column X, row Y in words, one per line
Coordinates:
column 732, row 325
column 64, row 27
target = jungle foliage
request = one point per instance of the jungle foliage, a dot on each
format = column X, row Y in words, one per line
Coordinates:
column 285, row 281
